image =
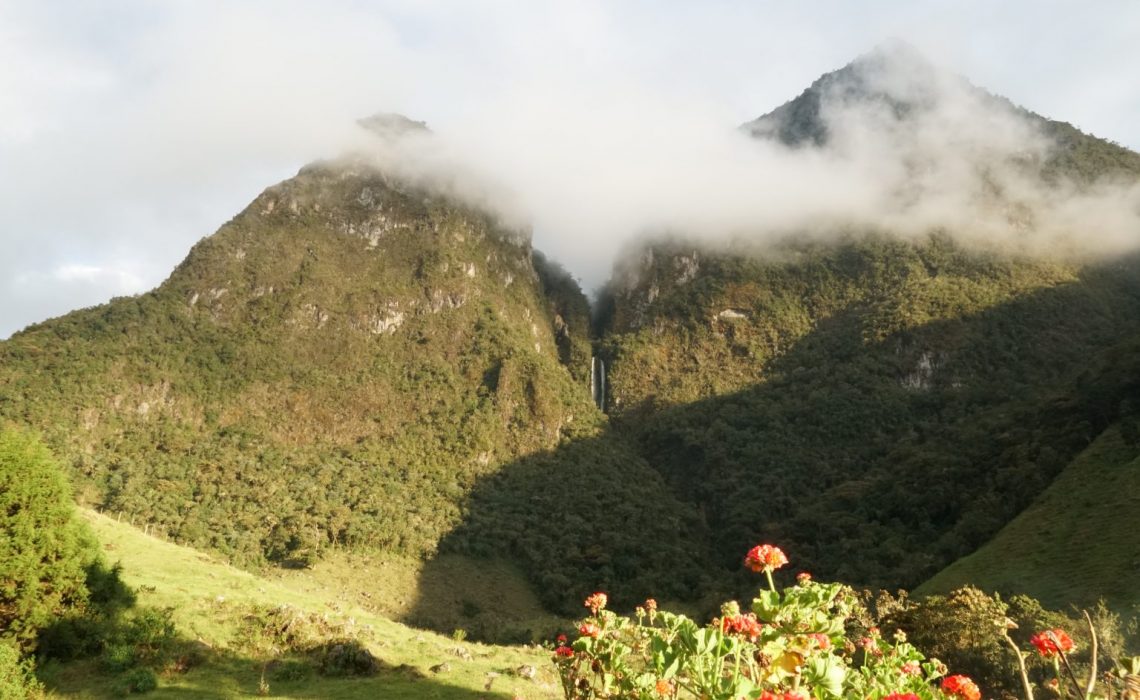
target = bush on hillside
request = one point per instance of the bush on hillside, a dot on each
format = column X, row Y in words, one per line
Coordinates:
column 44, row 552
column 962, row 629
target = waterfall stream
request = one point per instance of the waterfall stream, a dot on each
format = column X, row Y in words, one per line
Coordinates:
column 598, row 381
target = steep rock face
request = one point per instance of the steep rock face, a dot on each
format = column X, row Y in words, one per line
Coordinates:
column 898, row 399
column 338, row 363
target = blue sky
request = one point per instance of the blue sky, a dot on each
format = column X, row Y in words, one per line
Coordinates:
column 129, row 129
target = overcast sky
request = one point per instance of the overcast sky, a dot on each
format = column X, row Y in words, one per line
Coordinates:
column 129, row 129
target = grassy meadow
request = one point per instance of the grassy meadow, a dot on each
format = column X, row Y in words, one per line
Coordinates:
column 215, row 607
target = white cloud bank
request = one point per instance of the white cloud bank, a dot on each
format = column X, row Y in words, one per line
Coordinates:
column 958, row 160
column 129, row 129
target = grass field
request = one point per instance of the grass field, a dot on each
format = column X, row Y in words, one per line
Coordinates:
column 1079, row 536
column 211, row 599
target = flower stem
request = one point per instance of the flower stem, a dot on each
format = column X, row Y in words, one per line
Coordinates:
column 1021, row 666
column 771, row 583
column 1072, row 676
column 1092, row 651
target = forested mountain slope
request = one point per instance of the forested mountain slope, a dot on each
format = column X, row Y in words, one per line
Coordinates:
column 899, row 400
column 340, row 364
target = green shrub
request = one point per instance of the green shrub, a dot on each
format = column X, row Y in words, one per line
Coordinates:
column 344, row 657
column 136, row 680
column 86, row 632
column 73, row 637
column 151, row 634
column 119, row 657
column 17, row 681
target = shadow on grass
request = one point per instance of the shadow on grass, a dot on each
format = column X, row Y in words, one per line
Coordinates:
column 222, row 676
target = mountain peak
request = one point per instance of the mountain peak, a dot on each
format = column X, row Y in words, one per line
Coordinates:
column 392, row 125
column 894, row 74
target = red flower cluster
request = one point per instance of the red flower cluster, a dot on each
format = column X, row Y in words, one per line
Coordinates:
column 962, row 687
column 564, row 651
column 589, row 629
column 901, row 696
column 790, row 695
column 765, row 557
column 596, row 602
column 822, row 640
column 744, row 625
column 1050, row 642
column 912, row 668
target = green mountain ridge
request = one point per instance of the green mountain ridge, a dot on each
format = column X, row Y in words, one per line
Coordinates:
column 343, row 365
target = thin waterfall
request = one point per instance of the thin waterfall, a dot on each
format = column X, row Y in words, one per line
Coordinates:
column 598, row 381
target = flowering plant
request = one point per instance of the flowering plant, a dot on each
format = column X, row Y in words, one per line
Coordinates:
column 1051, row 642
column 790, row 645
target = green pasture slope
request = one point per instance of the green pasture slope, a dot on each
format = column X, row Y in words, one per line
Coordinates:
column 1076, row 543
column 212, row 602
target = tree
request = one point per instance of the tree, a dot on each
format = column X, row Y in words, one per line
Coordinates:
column 44, row 550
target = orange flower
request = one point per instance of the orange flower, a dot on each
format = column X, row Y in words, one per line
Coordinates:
column 744, row 625
column 589, row 629
column 765, row 557
column 664, row 687
column 596, row 602
column 962, row 687
column 822, row 640
column 1050, row 642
